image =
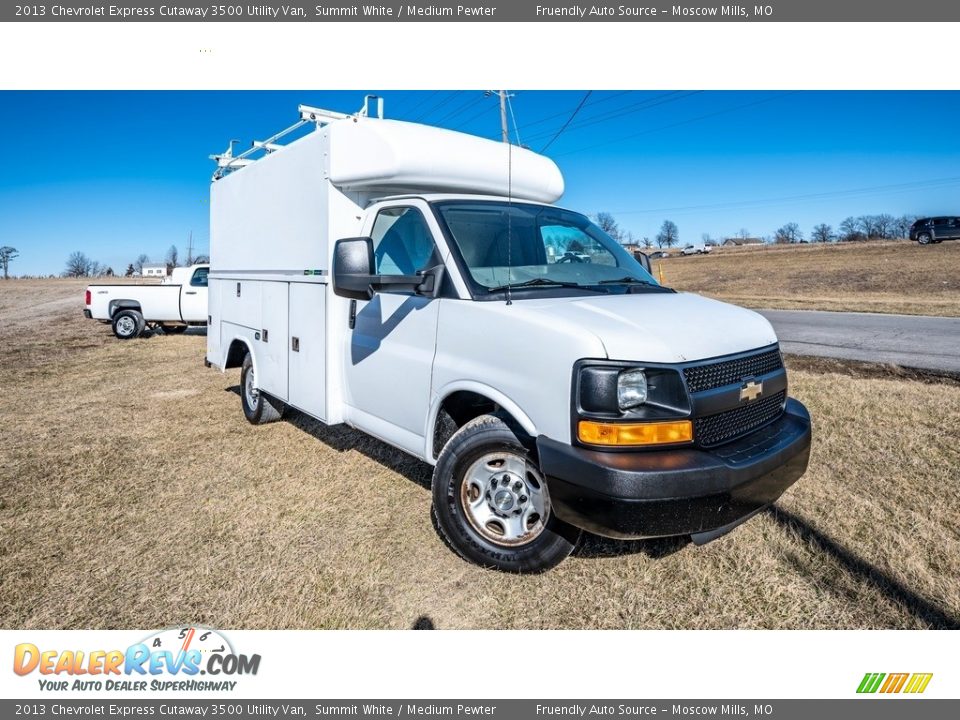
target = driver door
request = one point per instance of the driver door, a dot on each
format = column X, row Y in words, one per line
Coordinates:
column 193, row 297
column 390, row 350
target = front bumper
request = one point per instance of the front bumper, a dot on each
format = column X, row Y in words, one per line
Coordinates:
column 680, row 491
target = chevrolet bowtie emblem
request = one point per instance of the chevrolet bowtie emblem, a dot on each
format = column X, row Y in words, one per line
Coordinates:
column 751, row 391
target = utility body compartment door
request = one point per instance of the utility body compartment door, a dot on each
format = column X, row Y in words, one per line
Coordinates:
column 271, row 348
column 307, row 348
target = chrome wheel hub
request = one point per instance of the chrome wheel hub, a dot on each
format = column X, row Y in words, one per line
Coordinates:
column 505, row 499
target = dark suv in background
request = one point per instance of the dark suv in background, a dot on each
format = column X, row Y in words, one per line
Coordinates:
column 934, row 230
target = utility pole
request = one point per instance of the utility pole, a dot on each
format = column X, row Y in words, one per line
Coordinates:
column 190, row 250
column 504, row 131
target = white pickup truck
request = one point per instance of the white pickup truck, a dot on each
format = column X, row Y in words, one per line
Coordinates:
column 410, row 282
column 172, row 305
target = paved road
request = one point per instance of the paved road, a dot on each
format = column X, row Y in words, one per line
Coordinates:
column 927, row 343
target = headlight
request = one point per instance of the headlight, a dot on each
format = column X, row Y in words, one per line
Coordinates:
column 631, row 388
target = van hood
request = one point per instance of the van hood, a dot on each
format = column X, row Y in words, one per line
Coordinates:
column 660, row 327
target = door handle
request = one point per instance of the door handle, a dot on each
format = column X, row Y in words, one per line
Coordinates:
column 190, row 292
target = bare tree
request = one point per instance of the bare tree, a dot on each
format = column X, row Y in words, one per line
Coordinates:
column 850, row 230
column 78, row 265
column 139, row 262
column 172, row 256
column 647, row 242
column 130, row 270
column 743, row 233
column 708, row 241
column 901, row 225
column 789, row 233
column 7, row 254
column 607, row 223
column 822, row 233
column 201, row 259
column 669, row 235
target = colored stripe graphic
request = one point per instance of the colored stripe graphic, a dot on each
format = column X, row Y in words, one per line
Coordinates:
column 895, row 683
column 918, row 682
column 870, row 682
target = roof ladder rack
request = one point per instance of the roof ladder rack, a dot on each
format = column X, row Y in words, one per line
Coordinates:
column 227, row 162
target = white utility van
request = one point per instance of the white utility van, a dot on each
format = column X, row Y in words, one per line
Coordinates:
column 418, row 284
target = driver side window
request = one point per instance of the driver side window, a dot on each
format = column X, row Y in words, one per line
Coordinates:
column 402, row 243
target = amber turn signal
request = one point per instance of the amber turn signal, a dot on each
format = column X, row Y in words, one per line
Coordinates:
column 629, row 434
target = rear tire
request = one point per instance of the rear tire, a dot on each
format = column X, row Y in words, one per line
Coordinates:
column 491, row 503
column 924, row 238
column 258, row 407
column 128, row 324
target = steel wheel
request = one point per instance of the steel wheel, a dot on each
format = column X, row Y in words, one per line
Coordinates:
column 505, row 499
column 250, row 391
column 126, row 326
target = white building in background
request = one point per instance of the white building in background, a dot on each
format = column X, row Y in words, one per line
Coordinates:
column 154, row 270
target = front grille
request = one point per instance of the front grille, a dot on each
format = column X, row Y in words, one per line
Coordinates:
column 728, row 372
column 730, row 424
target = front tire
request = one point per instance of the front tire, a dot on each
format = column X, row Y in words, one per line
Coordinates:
column 491, row 502
column 924, row 238
column 258, row 407
column 128, row 324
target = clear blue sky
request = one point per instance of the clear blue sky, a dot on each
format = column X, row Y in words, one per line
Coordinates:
column 115, row 174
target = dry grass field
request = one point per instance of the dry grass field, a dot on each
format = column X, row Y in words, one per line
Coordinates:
column 889, row 277
column 134, row 494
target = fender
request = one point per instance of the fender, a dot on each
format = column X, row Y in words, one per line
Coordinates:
column 225, row 350
column 495, row 395
column 119, row 304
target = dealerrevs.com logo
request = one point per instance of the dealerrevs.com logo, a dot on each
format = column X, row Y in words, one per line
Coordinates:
column 890, row 683
column 180, row 659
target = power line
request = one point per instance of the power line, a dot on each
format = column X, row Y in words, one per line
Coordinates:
column 682, row 122
column 470, row 119
column 642, row 106
column 576, row 110
column 456, row 111
column 423, row 101
column 593, row 103
column 439, row 105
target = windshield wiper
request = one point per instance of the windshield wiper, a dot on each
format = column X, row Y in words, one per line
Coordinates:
column 633, row 281
column 540, row 282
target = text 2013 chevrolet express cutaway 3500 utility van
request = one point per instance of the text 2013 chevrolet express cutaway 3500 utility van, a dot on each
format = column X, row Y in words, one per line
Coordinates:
column 418, row 284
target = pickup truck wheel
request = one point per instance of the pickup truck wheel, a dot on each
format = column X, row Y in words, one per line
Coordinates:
column 128, row 324
column 491, row 502
column 924, row 238
column 259, row 408
column 173, row 329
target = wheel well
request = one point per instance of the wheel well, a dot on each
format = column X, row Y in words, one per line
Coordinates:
column 117, row 305
column 459, row 408
column 236, row 354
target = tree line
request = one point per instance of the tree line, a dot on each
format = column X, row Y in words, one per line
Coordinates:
column 853, row 229
column 79, row 265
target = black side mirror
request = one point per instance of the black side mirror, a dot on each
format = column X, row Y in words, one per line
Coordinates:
column 643, row 260
column 354, row 278
column 353, row 268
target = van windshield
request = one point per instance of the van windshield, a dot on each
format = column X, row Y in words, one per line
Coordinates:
column 526, row 246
